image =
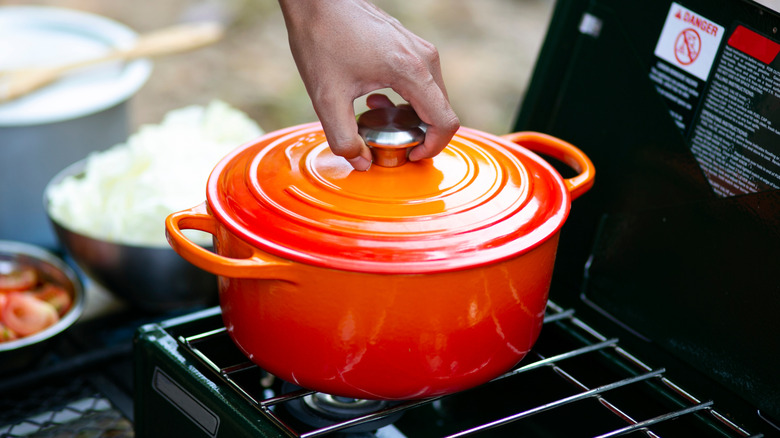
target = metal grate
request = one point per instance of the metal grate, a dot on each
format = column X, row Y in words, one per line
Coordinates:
column 74, row 409
column 588, row 381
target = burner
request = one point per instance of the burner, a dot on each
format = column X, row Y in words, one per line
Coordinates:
column 321, row 410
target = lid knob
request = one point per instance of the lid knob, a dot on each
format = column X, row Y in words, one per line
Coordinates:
column 390, row 133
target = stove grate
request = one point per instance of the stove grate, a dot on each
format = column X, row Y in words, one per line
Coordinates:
column 595, row 381
column 74, row 409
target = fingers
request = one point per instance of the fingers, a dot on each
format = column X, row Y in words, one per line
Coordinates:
column 428, row 96
column 363, row 161
column 441, row 121
column 338, row 122
column 378, row 100
column 341, row 129
column 434, row 110
column 346, row 48
column 437, row 137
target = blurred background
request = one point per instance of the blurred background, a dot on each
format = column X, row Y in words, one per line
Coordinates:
column 488, row 49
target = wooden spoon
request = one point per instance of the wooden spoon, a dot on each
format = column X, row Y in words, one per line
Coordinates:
column 16, row 83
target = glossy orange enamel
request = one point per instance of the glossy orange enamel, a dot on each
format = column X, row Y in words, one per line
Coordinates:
column 389, row 336
column 396, row 283
column 483, row 199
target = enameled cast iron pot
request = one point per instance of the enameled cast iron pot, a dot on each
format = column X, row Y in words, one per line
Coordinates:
column 395, row 283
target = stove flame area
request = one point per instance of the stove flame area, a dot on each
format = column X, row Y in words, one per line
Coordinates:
column 318, row 410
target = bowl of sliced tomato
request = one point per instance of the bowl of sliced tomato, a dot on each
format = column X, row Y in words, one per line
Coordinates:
column 40, row 297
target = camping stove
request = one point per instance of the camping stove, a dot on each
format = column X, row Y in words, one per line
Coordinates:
column 191, row 380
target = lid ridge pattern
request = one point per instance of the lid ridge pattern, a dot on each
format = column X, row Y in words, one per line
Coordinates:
column 479, row 201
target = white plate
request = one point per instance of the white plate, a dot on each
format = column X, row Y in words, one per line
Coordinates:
column 32, row 36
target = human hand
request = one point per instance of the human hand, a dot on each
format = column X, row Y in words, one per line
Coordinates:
column 345, row 49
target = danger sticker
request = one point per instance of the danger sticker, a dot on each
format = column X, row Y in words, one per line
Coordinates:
column 689, row 41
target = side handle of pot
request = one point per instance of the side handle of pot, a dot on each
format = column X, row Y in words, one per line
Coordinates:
column 562, row 151
column 257, row 264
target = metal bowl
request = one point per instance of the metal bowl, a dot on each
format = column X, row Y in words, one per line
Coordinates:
column 21, row 352
column 153, row 279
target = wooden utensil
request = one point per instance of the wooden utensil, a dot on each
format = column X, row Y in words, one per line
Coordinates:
column 179, row 38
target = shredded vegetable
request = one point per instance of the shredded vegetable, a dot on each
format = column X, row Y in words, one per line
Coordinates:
column 127, row 191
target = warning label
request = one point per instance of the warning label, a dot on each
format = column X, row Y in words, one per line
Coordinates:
column 689, row 41
column 681, row 91
column 686, row 51
column 736, row 136
column 725, row 99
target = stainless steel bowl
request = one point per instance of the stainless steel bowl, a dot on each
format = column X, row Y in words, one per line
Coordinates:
column 153, row 279
column 21, row 352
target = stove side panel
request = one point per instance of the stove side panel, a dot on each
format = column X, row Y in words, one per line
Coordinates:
column 174, row 398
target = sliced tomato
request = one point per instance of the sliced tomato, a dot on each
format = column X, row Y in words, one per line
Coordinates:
column 54, row 295
column 25, row 314
column 3, row 300
column 22, row 278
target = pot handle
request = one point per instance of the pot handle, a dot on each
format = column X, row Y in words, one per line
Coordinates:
column 257, row 265
column 562, row 151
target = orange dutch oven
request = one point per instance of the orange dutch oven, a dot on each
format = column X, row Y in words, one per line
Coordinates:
column 406, row 281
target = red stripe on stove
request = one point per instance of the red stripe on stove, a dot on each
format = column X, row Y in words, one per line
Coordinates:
column 753, row 44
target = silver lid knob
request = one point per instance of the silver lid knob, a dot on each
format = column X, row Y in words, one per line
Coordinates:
column 390, row 133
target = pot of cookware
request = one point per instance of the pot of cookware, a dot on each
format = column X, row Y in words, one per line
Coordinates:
column 409, row 280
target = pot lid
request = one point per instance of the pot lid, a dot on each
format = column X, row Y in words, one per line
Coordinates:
column 483, row 199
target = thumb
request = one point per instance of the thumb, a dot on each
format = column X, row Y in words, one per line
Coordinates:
column 340, row 126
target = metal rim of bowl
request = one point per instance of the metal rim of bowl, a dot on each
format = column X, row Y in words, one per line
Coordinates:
column 77, row 308
column 74, row 169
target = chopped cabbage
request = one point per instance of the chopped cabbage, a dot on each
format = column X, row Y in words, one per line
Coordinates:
column 128, row 190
